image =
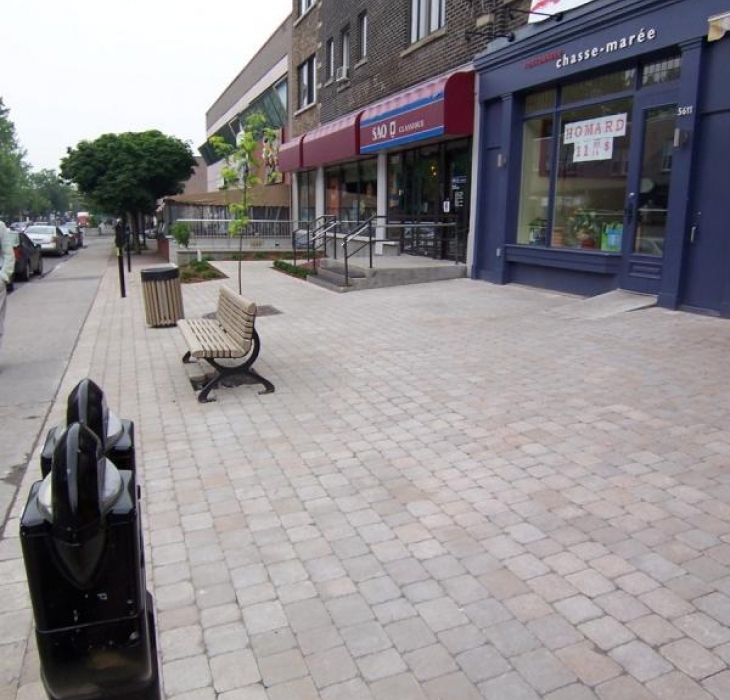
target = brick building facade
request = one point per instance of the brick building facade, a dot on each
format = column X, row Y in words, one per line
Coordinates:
column 386, row 131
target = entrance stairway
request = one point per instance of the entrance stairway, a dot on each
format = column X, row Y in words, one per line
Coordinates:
column 387, row 271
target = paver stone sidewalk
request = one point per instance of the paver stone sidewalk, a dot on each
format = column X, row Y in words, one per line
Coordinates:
column 456, row 492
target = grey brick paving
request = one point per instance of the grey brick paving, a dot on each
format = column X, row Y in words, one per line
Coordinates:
column 453, row 493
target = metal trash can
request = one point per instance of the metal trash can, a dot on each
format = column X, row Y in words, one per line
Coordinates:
column 163, row 304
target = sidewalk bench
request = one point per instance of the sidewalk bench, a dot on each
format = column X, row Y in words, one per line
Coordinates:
column 230, row 335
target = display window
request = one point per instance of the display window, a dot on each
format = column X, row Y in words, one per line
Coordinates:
column 306, row 193
column 576, row 162
column 351, row 191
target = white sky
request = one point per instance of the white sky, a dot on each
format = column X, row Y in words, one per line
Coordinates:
column 71, row 70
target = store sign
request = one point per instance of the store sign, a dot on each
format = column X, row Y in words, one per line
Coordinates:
column 414, row 124
column 551, row 7
column 565, row 59
column 592, row 139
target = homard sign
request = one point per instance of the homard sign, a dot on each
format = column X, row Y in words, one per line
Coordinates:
column 592, row 139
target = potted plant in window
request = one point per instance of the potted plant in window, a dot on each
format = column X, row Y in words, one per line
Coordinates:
column 585, row 228
column 537, row 231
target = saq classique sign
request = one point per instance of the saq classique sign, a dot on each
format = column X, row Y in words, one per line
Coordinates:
column 592, row 139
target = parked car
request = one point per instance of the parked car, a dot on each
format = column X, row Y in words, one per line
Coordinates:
column 19, row 225
column 28, row 258
column 74, row 235
column 49, row 237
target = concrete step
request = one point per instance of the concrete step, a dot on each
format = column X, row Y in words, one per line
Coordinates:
column 332, row 275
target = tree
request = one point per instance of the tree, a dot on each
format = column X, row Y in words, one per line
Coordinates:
column 127, row 173
column 48, row 193
column 13, row 168
column 240, row 172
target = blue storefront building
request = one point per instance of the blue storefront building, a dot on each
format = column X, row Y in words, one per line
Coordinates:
column 605, row 150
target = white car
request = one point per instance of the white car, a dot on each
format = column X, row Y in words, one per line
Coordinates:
column 50, row 238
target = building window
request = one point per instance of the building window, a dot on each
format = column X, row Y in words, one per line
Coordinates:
column 330, row 60
column 345, row 49
column 307, row 85
column 427, row 16
column 282, row 90
column 306, row 194
column 304, row 6
column 662, row 71
column 351, row 191
column 363, row 31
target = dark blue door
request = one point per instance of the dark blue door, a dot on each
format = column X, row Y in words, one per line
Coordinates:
column 706, row 284
column 647, row 212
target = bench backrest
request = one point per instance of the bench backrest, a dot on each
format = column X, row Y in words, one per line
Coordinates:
column 236, row 315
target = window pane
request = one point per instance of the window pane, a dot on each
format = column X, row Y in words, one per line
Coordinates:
column 369, row 188
column 535, row 190
column 395, row 185
column 661, row 71
column 656, row 172
column 306, row 193
column 591, row 177
column 540, row 101
column 345, row 58
column 330, row 59
column 435, row 15
column 332, row 196
column 363, row 35
column 600, row 86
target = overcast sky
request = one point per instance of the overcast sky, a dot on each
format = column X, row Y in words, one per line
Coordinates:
column 71, row 70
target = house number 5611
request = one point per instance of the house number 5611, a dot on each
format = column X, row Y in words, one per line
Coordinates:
column 685, row 111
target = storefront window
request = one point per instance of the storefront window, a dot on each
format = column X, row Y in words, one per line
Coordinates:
column 591, row 180
column 661, row 71
column 351, row 190
column 306, row 195
column 540, row 101
column 534, row 203
column 599, row 87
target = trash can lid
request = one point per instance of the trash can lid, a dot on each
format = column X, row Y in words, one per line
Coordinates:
column 160, row 274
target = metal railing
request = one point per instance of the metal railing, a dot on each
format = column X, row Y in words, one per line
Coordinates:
column 255, row 234
column 314, row 235
column 364, row 230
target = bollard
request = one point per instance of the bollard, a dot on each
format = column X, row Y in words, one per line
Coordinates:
column 81, row 540
column 87, row 404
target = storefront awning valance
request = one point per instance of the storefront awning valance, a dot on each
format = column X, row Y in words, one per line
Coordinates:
column 331, row 142
column 290, row 154
column 440, row 107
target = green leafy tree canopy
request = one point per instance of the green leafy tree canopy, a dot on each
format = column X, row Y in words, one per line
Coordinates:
column 129, row 172
column 13, row 168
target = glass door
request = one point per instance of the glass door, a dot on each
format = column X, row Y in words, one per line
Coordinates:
column 647, row 201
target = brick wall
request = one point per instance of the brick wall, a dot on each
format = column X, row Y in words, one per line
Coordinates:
column 305, row 42
column 393, row 63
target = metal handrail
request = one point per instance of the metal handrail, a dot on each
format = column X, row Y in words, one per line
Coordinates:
column 360, row 230
column 312, row 231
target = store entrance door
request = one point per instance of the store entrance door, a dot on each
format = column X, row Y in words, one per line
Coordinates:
column 706, row 279
column 646, row 213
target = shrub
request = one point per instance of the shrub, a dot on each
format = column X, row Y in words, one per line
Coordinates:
column 180, row 232
column 295, row 270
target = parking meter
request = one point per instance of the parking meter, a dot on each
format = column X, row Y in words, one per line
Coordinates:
column 80, row 537
column 86, row 404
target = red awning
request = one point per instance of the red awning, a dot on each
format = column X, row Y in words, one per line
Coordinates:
column 290, row 154
column 337, row 140
column 441, row 107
